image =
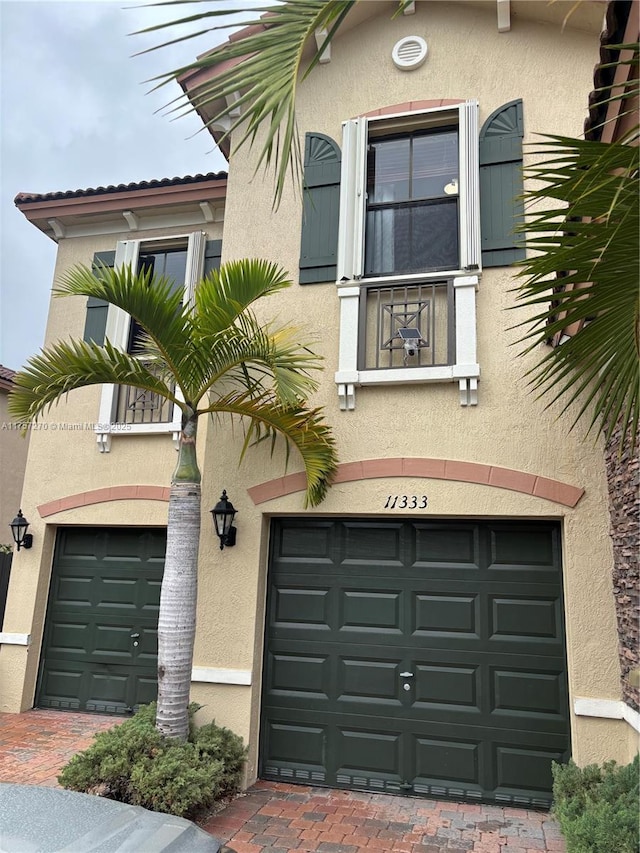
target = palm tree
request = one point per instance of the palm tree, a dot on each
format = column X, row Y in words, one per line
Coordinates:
column 209, row 357
column 593, row 183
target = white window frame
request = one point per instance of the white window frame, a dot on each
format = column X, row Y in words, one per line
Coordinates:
column 350, row 263
column 117, row 332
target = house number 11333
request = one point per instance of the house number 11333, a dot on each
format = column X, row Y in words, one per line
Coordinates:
column 407, row 502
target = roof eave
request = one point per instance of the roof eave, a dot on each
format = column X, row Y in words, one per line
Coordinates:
column 195, row 199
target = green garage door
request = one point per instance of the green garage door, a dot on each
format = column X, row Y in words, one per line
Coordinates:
column 414, row 656
column 100, row 644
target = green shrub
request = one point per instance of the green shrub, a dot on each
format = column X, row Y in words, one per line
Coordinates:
column 597, row 807
column 215, row 743
column 134, row 763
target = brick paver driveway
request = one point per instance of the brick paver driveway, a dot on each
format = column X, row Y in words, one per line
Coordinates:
column 276, row 818
column 273, row 818
column 35, row 746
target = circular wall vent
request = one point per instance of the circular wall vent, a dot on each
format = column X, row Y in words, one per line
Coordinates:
column 409, row 53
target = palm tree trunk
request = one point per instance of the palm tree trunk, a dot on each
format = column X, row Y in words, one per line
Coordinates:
column 178, row 596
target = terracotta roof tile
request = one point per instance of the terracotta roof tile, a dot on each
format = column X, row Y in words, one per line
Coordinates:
column 617, row 15
column 7, row 373
column 25, row 198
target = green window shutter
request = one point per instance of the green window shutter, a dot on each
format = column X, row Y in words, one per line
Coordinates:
column 97, row 309
column 501, row 207
column 212, row 256
column 321, row 209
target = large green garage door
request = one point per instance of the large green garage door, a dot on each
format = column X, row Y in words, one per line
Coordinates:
column 100, row 643
column 414, row 656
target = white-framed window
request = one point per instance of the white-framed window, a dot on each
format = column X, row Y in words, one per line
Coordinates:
column 130, row 411
column 409, row 253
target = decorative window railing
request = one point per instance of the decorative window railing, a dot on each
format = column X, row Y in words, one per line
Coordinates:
column 136, row 406
column 408, row 325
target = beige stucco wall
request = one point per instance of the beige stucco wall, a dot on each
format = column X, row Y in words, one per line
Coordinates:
column 552, row 72
column 13, row 459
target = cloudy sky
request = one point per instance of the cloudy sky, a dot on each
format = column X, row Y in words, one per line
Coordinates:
column 76, row 113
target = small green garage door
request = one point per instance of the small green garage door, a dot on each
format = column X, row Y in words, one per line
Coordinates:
column 100, row 645
column 413, row 656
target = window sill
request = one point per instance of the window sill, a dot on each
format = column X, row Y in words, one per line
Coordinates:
column 408, row 277
column 465, row 374
column 409, row 375
column 104, row 432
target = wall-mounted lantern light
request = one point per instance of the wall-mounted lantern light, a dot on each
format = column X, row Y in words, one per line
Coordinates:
column 19, row 527
column 223, row 514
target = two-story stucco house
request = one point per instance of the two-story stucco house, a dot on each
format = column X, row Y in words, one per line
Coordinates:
column 444, row 623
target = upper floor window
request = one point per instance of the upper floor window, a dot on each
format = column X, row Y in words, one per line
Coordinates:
column 412, row 203
column 409, row 194
column 134, row 405
column 168, row 262
column 181, row 259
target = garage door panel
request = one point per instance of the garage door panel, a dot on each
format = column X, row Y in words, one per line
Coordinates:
column 436, row 657
column 304, row 608
column 113, row 641
column 313, row 542
column 439, row 615
column 107, row 688
column 302, row 745
column 146, row 653
column 369, row 610
column 298, row 675
column 118, row 593
column 368, row 680
column 446, row 686
column 445, row 761
column 366, row 751
column 527, row 619
column 67, row 638
column 512, row 763
column 523, row 548
column 61, row 687
column 441, row 547
column 362, row 539
column 74, row 591
column 145, row 687
column 150, row 599
column 528, row 692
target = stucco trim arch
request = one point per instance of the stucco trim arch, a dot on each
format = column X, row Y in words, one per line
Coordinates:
column 97, row 496
column 432, row 469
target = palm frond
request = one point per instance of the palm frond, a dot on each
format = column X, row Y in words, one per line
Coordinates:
column 300, row 427
column 249, row 355
column 583, row 273
column 65, row 366
column 152, row 301
column 235, row 348
column 225, row 293
column 260, row 74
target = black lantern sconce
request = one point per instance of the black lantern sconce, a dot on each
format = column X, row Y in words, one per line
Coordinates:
column 19, row 527
column 223, row 514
